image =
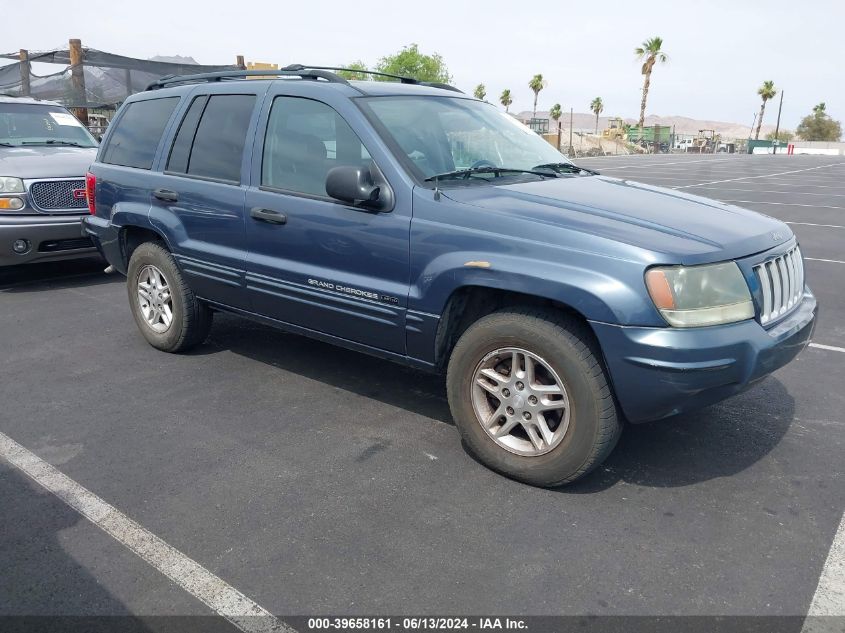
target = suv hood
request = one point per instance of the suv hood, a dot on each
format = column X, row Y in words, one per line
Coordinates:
column 42, row 161
column 687, row 229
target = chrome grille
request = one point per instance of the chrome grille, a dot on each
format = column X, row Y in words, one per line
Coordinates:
column 57, row 194
column 782, row 283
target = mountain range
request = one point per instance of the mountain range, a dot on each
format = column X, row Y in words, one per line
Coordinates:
column 682, row 124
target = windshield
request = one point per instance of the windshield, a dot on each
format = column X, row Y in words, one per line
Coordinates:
column 23, row 124
column 438, row 135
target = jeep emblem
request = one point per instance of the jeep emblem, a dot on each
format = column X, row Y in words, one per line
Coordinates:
column 777, row 237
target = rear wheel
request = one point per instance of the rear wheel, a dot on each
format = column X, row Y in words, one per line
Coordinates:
column 530, row 397
column 165, row 309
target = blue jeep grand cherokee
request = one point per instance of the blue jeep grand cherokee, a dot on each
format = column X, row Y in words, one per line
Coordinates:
column 415, row 223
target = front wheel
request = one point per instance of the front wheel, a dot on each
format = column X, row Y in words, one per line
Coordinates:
column 165, row 309
column 530, row 397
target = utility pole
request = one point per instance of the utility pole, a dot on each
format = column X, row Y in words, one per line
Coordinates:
column 26, row 88
column 570, row 133
column 558, row 135
column 77, row 79
column 777, row 126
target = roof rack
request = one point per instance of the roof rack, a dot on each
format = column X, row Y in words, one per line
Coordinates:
column 224, row 75
column 403, row 79
column 313, row 73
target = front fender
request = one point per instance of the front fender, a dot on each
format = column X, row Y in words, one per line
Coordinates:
column 615, row 295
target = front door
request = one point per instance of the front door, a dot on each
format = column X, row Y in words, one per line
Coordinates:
column 314, row 261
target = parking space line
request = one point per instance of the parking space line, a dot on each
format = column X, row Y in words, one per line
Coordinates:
column 782, row 173
column 218, row 595
column 828, row 226
column 783, row 204
column 683, row 162
column 786, row 183
column 778, row 191
column 830, row 261
column 829, row 598
column 830, row 348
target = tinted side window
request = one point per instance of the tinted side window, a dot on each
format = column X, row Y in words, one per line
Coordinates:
column 219, row 141
column 180, row 153
column 134, row 141
column 304, row 140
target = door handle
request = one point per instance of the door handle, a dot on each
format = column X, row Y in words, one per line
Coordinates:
column 166, row 195
column 268, row 215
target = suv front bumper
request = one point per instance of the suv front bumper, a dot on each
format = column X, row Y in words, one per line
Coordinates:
column 658, row 372
column 48, row 238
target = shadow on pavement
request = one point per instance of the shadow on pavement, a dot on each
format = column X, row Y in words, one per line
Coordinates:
column 391, row 383
column 717, row 441
column 52, row 275
column 44, row 589
column 38, row 576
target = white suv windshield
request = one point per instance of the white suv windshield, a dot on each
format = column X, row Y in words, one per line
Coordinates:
column 437, row 135
column 33, row 124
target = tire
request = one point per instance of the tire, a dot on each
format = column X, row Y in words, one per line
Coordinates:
column 558, row 348
column 190, row 319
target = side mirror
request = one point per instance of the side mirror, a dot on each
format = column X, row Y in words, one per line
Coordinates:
column 354, row 184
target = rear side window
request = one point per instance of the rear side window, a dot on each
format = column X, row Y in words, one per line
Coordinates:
column 210, row 142
column 135, row 138
column 181, row 151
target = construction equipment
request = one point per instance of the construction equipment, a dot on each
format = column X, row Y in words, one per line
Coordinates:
column 705, row 142
column 615, row 129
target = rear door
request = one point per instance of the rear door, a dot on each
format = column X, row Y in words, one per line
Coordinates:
column 198, row 194
column 323, row 264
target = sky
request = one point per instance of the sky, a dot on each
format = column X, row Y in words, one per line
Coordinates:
column 720, row 51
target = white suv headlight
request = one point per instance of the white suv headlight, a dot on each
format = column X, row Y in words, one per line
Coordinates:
column 11, row 185
column 694, row 296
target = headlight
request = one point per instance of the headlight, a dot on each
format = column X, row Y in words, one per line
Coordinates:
column 694, row 296
column 11, row 185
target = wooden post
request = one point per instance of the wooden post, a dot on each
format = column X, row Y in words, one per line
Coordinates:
column 26, row 88
column 239, row 60
column 558, row 136
column 77, row 78
column 571, row 149
column 777, row 126
column 127, row 81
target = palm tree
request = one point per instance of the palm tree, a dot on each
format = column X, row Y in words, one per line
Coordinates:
column 536, row 84
column 766, row 91
column 819, row 109
column 505, row 98
column 555, row 112
column 480, row 92
column 597, row 106
column 649, row 53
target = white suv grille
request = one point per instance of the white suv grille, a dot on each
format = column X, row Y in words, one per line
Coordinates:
column 782, row 281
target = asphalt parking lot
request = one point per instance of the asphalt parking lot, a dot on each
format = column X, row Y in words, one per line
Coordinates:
column 316, row 480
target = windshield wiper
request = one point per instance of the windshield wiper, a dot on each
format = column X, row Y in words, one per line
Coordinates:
column 487, row 169
column 566, row 168
column 7, row 144
column 54, row 142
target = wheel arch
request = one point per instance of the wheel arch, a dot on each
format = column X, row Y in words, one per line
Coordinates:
column 131, row 236
column 467, row 304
